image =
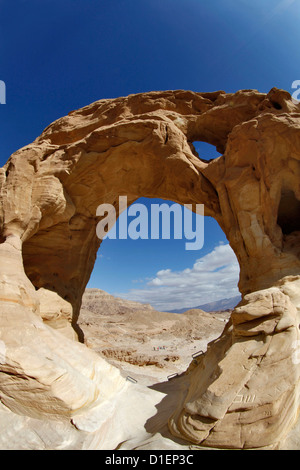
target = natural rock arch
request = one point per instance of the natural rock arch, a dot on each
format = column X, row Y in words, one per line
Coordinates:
column 244, row 391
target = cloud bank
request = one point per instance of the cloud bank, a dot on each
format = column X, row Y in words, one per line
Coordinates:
column 213, row 277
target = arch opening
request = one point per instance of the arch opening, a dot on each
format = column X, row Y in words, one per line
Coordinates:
column 143, row 267
column 143, row 308
column 205, row 151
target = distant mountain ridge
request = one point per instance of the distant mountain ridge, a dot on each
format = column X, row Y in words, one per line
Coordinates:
column 218, row 305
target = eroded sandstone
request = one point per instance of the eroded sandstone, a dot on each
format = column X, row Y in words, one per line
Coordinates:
column 244, row 393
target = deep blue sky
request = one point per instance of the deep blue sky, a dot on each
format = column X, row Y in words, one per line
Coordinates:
column 56, row 56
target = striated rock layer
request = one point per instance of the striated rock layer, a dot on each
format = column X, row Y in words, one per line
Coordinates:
column 244, row 393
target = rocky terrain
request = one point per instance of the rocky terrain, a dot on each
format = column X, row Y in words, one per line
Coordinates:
column 243, row 393
column 145, row 344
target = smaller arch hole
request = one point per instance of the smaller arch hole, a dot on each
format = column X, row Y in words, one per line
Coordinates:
column 205, row 151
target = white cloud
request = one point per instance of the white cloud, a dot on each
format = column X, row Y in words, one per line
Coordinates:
column 213, row 277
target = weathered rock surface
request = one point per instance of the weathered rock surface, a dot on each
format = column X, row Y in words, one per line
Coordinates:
column 253, row 377
column 244, row 393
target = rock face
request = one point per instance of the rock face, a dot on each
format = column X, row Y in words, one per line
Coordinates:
column 244, row 393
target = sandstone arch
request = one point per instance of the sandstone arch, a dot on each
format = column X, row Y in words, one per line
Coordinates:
column 141, row 145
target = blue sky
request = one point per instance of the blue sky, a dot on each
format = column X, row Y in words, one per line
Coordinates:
column 56, row 56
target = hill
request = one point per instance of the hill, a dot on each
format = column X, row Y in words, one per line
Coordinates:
column 142, row 342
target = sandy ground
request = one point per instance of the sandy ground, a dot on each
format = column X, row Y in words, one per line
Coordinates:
column 152, row 349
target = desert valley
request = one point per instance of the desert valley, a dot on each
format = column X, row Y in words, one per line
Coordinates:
column 146, row 345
